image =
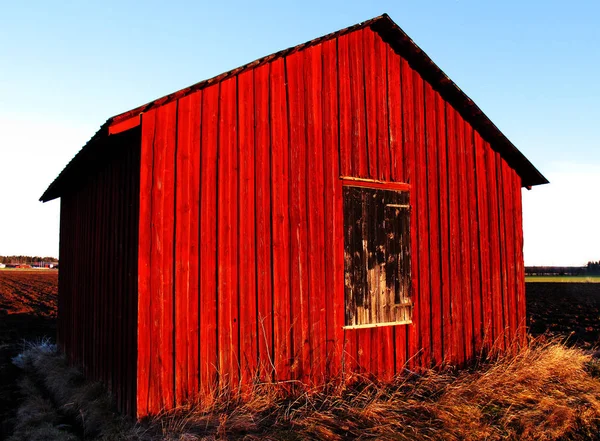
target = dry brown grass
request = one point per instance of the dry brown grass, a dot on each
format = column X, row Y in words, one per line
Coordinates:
column 546, row 391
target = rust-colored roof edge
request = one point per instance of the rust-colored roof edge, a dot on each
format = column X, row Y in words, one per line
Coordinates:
column 406, row 47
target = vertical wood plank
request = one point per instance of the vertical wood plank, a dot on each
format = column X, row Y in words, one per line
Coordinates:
column 145, row 347
column 263, row 221
column 433, row 207
column 424, row 317
column 350, row 342
column 227, row 221
column 162, row 385
column 411, row 169
column 502, row 226
column 371, row 104
column 381, row 70
column 360, row 160
column 187, row 196
column 454, row 284
column 358, row 137
column 474, row 240
column 208, row 296
column 299, row 283
column 484, row 240
column 134, row 197
column 282, row 329
column 446, row 292
column 315, row 207
column 509, row 220
column 344, row 105
column 397, row 163
column 334, row 264
column 247, row 238
column 459, row 235
column 494, row 246
column 397, row 152
column 383, row 336
column 519, row 261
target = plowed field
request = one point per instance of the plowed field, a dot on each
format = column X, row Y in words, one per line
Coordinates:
column 569, row 310
column 28, row 292
column 27, row 313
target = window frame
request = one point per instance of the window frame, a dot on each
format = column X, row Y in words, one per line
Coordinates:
column 347, row 181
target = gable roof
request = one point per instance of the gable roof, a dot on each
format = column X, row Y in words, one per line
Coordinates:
column 393, row 35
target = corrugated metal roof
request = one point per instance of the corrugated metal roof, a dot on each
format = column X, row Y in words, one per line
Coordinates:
column 391, row 33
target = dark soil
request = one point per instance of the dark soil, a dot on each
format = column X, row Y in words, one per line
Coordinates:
column 32, row 319
column 570, row 310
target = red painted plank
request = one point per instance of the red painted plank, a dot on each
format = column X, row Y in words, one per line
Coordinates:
column 144, row 341
column 484, row 240
column 473, row 241
column 394, row 110
column 345, row 104
column 162, row 385
column 117, row 316
column 381, row 70
column 457, row 247
column 96, row 291
column 186, row 247
column 519, row 260
column 282, row 343
column 461, row 211
column 132, row 244
column 247, row 237
column 227, row 252
column 263, row 221
column 509, row 250
column 315, row 193
column 209, row 362
column 350, row 342
column 495, row 258
column 397, row 164
column 514, row 192
column 503, row 219
column 371, row 104
column 334, row 264
column 362, row 167
column 295, row 70
column 433, row 208
column 359, row 157
column 414, row 138
column 447, row 318
column 385, row 335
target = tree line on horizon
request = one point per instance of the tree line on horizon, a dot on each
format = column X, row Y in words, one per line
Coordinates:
column 26, row 259
column 590, row 269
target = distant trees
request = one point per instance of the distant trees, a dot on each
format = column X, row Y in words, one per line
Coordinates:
column 593, row 267
column 27, row 259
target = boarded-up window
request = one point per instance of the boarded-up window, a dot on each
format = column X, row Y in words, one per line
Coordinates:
column 376, row 256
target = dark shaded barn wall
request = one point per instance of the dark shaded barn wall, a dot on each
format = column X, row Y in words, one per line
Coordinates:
column 99, row 220
column 241, row 249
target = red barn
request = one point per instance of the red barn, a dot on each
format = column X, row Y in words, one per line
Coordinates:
column 337, row 207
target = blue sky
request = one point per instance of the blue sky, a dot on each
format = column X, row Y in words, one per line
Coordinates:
column 533, row 68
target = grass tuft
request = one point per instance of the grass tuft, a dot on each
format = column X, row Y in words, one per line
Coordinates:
column 545, row 391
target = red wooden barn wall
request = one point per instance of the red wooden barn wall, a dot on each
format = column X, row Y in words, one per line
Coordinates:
column 98, row 269
column 241, row 267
